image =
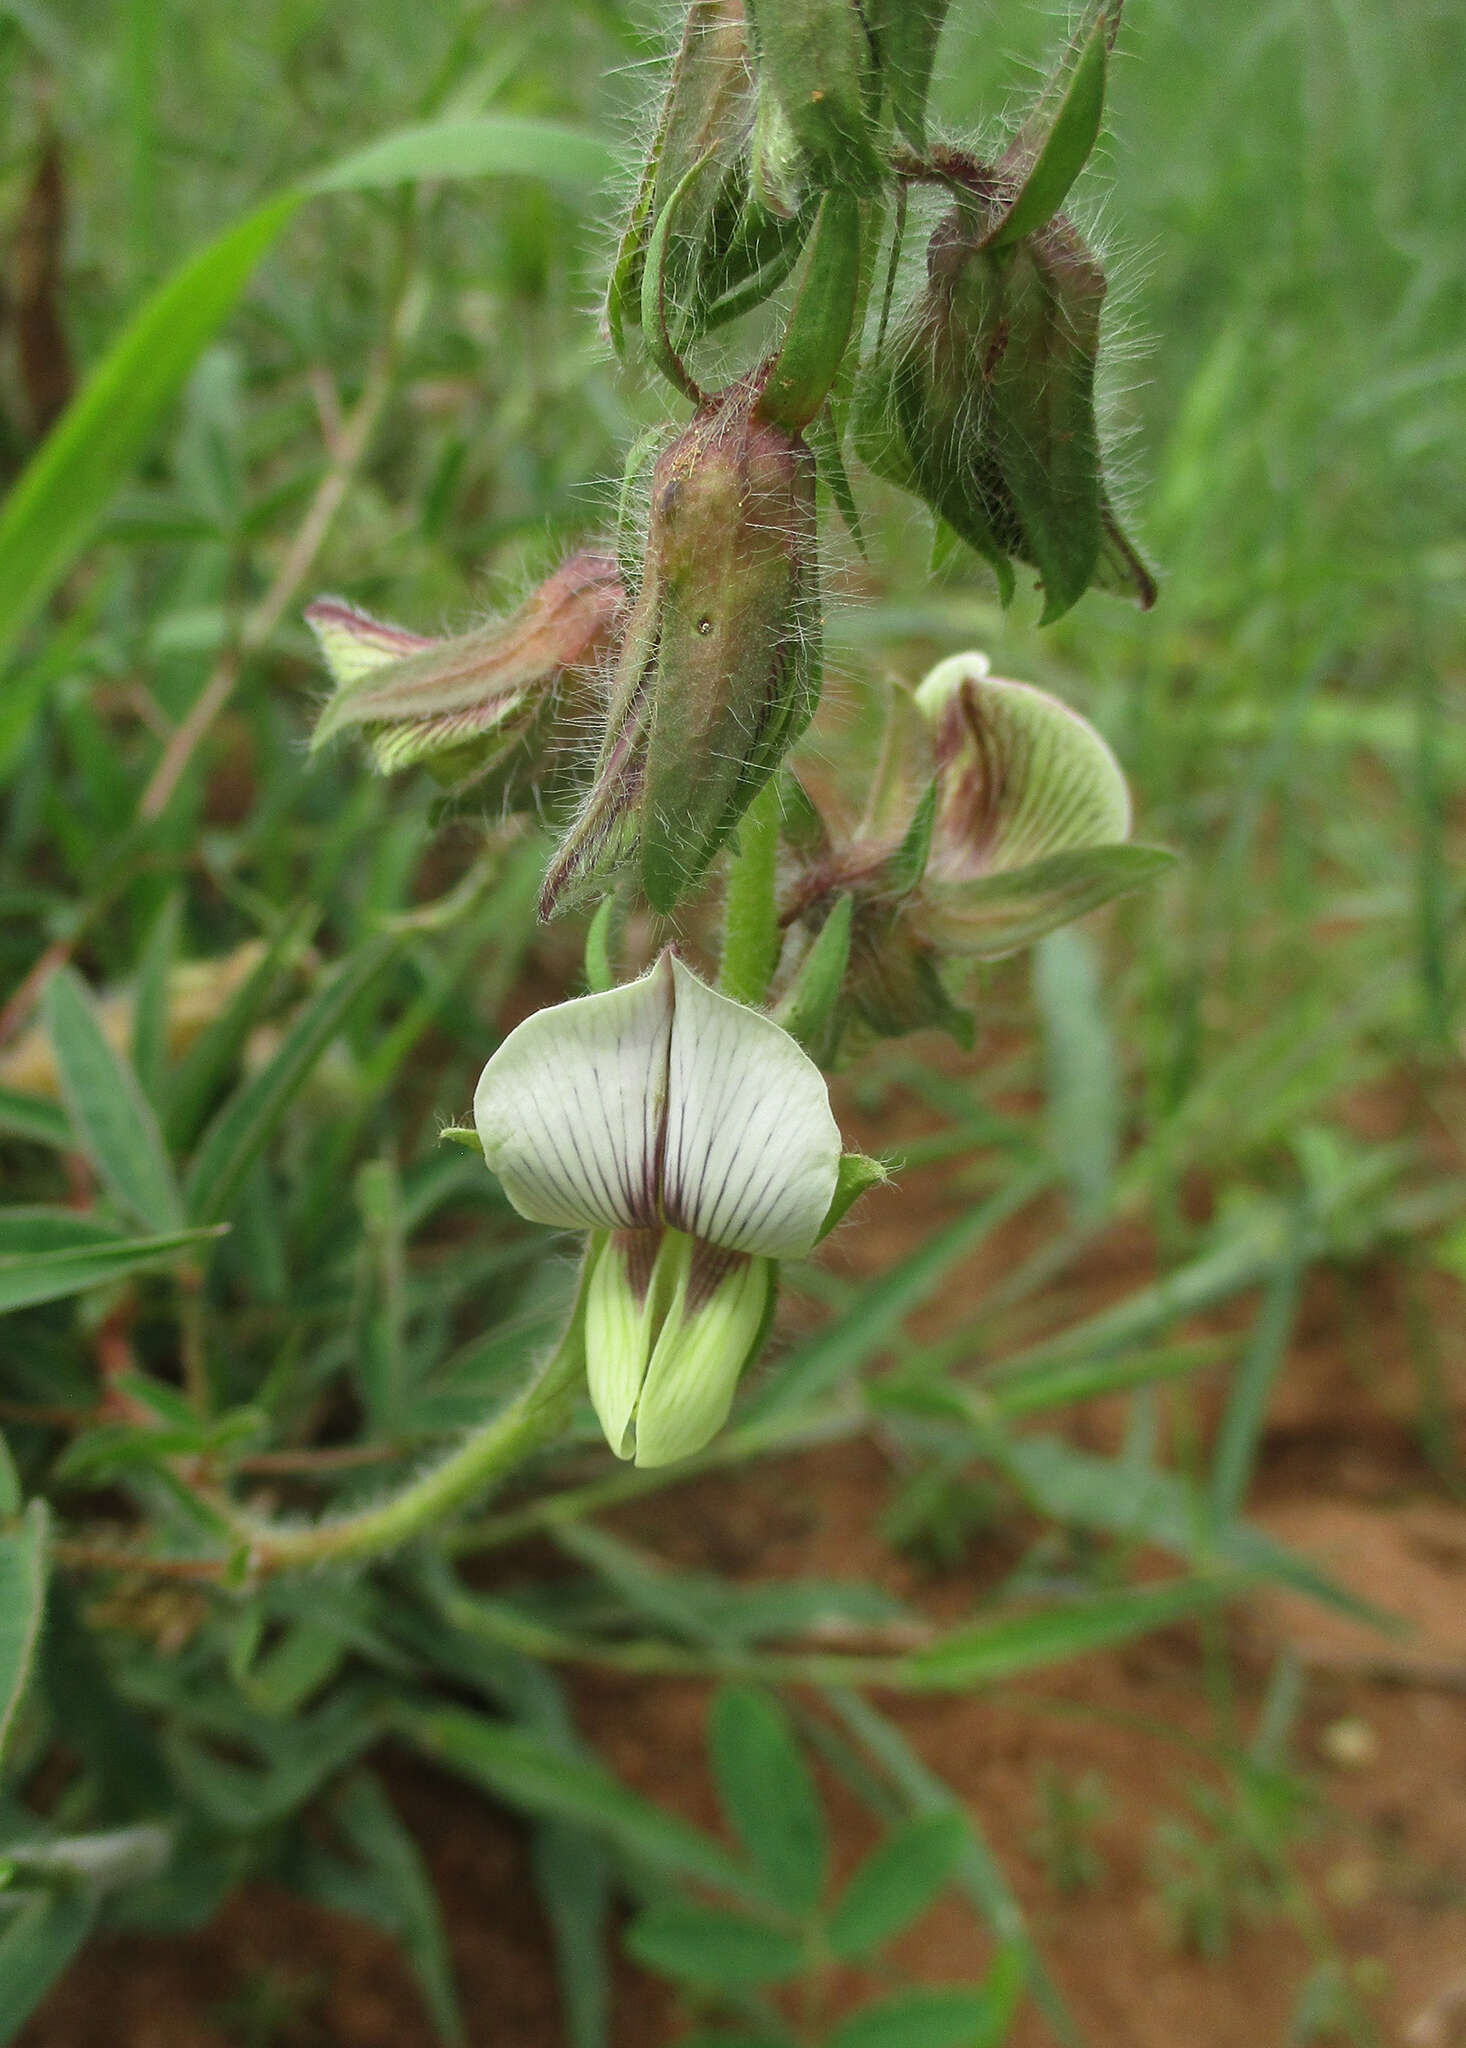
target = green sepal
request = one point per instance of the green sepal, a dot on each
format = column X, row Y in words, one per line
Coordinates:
column 461, row 1134
column 823, row 437
column 1049, row 160
column 810, row 1009
column 600, row 938
column 654, row 284
column 905, row 33
column 803, row 373
column 858, row 1174
column 902, row 872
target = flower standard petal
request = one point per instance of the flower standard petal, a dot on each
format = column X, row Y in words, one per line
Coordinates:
column 570, row 1109
column 752, row 1150
column 1022, row 776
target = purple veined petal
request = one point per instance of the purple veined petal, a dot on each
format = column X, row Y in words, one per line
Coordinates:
column 353, row 643
column 570, row 1108
column 752, row 1149
column 1022, row 777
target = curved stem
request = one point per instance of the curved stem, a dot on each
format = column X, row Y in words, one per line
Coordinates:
column 484, row 1456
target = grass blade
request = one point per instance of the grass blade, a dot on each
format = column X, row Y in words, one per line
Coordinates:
column 28, row 1277
column 22, row 1603
column 117, row 1129
column 63, row 492
column 1014, row 1643
column 491, row 145
column 247, row 1121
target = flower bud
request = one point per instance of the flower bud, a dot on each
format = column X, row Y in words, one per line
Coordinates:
column 724, row 250
column 718, row 672
column 477, row 704
column 983, row 404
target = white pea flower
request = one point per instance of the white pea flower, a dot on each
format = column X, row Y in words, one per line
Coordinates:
column 694, row 1139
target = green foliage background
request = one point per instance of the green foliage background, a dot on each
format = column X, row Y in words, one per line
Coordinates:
column 412, row 406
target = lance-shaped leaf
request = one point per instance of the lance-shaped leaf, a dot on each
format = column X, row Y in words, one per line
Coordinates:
column 459, row 702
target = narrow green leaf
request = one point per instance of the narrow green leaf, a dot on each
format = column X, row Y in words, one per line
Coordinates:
column 537, row 1775
column 810, row 1011
column 487, row 145
column 715, row 1951
column 896, row 1884
column 1000, row 1649
column 54, row 507
column 114, row 1123
column 248, row 1120
column 573, row 1877
column 750, row 919
column 1085, row 1098
column 22, row 1603
column 374, row 1828
column 28, row 1277
column 1241, row 1425
column 38, row 1945
column 150, row 1007
column 817, row 333
column 33, row 1118
column 768, row 1795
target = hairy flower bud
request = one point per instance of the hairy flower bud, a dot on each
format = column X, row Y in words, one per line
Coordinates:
column 479, row 704
column 719, row 669
column 714, row 248
column 983, row 403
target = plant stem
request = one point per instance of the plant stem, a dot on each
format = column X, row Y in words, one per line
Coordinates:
column 750, row 918
column 484, row 1456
